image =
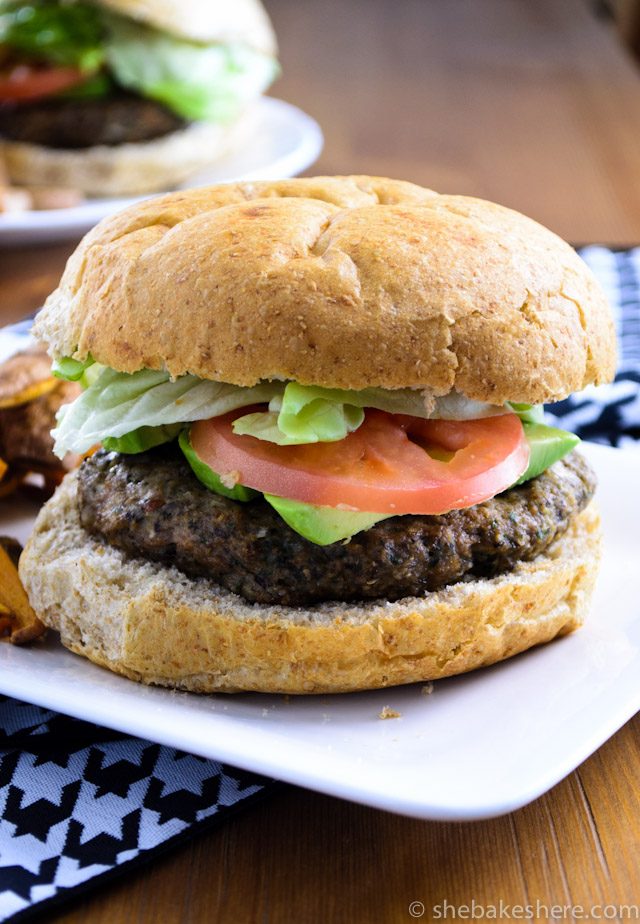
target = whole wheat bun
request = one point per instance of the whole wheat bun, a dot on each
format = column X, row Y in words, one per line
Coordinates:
column 345, row 282
column 206, row 21
column 123, row 169
column 152, row 623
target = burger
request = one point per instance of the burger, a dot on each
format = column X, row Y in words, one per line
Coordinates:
column 324, row 463
column 119, row 97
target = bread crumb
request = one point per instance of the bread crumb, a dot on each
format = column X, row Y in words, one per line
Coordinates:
column 427, row 689
column 389, row 713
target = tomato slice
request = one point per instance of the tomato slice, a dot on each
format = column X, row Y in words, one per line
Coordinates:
column 392, row 464
column 24, row 83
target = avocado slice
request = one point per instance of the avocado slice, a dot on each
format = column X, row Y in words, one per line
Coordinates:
column 208, row 477
column 547, row 445
column 322, row 525
column 142, row 439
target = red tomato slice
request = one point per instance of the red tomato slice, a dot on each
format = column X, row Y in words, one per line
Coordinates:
column 383, row 467
column 24, row 83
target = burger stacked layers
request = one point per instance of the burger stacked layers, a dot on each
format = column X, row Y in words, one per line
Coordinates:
column 119, row 97
column 325, row 464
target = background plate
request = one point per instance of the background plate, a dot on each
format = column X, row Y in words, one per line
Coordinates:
column 478, row 745
column 276, row 140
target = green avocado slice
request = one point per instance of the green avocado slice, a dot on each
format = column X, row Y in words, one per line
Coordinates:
column 142, row 439
column 208, row 477
column 547, row 445
column 322, row 525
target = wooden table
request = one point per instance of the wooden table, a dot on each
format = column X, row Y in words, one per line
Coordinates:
column 537, row 106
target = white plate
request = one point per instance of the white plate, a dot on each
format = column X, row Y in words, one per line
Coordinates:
column 478, row 746
column 276, row 140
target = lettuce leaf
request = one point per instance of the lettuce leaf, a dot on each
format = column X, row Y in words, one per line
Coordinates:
column 413, row 401
column 70, row 369
column 56, row 31
column 198, row 82
column 311, row 414
column 319, row 421
column 116, row 404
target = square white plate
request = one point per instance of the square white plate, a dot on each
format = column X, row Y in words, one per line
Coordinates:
column 478, row 746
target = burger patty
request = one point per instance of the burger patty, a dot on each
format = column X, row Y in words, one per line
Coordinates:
column 83, row 123
column 152, row 506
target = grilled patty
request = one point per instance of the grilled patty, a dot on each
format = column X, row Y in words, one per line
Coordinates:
column 152, row 506
column 83, row 123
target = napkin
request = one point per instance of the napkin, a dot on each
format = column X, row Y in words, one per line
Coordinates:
column 79, row 803
column 611, row 413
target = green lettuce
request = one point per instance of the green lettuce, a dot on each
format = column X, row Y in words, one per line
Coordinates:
column 413, row 401
column 116, row 404
column 56, row 31
column 70, row 369
column 199, row 82
column 311, row 414
column 314, row 420
column 129, row 408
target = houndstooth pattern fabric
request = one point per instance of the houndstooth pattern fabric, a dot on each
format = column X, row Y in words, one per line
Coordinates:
column 611, row 413
column 78, row 802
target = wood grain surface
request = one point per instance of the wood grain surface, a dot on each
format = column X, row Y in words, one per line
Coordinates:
column 536, row 105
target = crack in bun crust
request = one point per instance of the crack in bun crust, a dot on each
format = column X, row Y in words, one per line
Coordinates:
column 153, row 624
column 348, row 282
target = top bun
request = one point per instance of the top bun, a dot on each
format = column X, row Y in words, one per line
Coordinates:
column 203, row 20
column 346, row 282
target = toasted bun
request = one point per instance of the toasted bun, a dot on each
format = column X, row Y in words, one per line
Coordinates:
column 152, row 623
column 346, row 282
column 123, row 169
column 204, row 21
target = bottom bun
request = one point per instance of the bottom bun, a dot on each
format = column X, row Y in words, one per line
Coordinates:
column 154, row 624
column 123, row 169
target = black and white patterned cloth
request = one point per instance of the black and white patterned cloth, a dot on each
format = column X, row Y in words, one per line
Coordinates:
column 79, row 802
column 611, row 413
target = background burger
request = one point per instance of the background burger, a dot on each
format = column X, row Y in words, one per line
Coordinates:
column 118, row 97
column 325, row 466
